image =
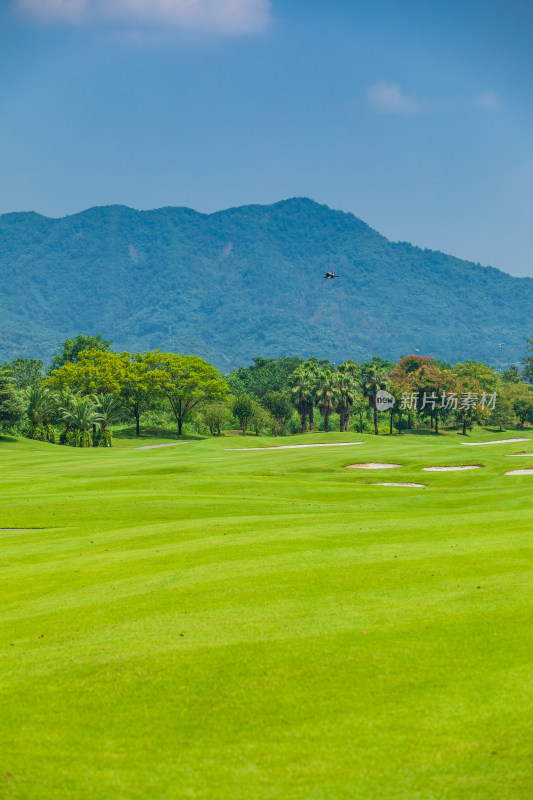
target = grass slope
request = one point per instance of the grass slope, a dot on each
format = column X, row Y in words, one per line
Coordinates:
column 189, row 622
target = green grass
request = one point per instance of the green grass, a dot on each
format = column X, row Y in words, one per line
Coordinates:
column 189, row 622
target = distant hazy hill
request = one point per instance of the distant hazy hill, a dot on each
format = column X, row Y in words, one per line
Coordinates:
column 248, row 281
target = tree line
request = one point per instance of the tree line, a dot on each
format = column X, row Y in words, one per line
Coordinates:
column 89, row 387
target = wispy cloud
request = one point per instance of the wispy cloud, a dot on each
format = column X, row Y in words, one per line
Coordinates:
column 489, row 100
column 390, row 99
column 215, row 16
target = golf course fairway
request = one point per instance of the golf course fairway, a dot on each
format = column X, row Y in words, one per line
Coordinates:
column 203, row 622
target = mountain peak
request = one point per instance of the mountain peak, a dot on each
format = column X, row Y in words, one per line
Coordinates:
column 248, row 281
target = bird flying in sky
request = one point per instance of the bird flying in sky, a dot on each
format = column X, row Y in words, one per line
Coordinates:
column 329, row 275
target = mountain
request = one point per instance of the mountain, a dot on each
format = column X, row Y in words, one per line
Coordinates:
column 248, row 281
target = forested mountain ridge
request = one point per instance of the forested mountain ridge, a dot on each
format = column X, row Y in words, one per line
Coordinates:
column 248, row 281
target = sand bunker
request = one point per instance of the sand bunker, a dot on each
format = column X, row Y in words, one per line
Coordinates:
column 154, row 446
column 519, row 455
column 450, row 469
column 418, row 485
column 520, row 472
column 496, row 441
column 294, row 446
column 373, row 465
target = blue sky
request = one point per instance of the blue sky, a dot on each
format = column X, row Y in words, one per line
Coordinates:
column 415, row 115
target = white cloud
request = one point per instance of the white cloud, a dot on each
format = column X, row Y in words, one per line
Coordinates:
column 389, row 98
column 489, row 100
column 218, row 16
column 48, row 10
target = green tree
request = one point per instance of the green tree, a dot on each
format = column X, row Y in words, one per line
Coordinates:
column 313, row 367
column 65, row 401
column 326, row 393
column 263, row 376
column 136, row 389
column 71, row 348
column 520, row 396
column 474, row 377
column 302, row 384
column 468, row 415
column 436, row 386
column 523, row 408
column 186, row 382
column 215, row 416
column 511, row 375
column 81, row 415
column 244, row 407
column 396, row 410
column 280, row 407
column 12, row 402
column 382, row 364
column 348, row 386
column 129, row 376
column 401, row 386
column 374, row 377
column 25, row 372
column 503, row 413
column 361, row 408
column 109, row 408
column 41, row 406
column 262, row 419
column 94, row 372
column 478, row 373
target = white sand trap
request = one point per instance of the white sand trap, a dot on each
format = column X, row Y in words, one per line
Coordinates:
column 154, row 446
column 519, row 455
column 450, row 469
column 520, row 472
column 294, row 446
column 418, row 485
column 496, row 441
column 373, row 465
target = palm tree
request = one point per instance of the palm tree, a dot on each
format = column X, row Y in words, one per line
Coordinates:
column 41, row 405
column 312, row 369
column 374, row 378
column 109, row 408
column 65, row 401
column 82, row 413
column 347, row 387
column 302, row 393
column 326, row 394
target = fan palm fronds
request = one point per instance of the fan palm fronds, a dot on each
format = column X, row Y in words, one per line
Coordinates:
column 109, row 408
column 41, row 405
column 374, row 378
column 81, row 413
column 326, row 393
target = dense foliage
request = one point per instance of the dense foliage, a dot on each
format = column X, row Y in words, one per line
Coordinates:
column 248, row 280
column 12, row 402
column 97, row 387
column 71, row 348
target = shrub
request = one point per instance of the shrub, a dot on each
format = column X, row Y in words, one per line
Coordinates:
column 80, row 438
column 49, row 433
column 102, row 439
column 65, row 437
column 37, row 432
